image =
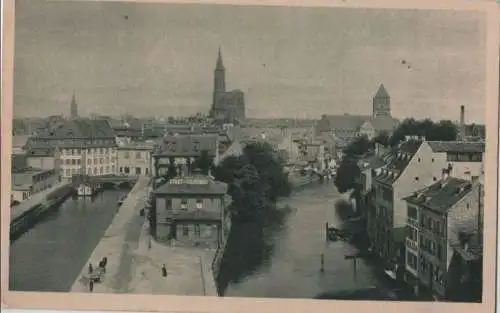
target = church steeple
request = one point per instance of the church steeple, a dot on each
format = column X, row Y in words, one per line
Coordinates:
column 219, row 65
column 219, row 81
column 382, row 103
column 73, row 107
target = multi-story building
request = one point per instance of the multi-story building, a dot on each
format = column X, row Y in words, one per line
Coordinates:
column 438, row 218
column 191, row 210
column 86, row 147
column 134, row 159
column 408, row 168
column 27, row 181
column 464, row 157
column 182, row 151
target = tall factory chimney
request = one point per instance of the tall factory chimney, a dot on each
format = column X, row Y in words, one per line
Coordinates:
column 462, row 115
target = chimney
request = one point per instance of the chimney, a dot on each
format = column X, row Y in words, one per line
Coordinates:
column 462, row 115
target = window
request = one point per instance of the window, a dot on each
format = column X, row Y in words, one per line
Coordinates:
column 89, row 161
column 185, row 230
column 121, row 169
column 138, row 155
column 467, row 205
column 137, row 171
column 126, row 154
column 68, row 173
column 184, row 203
column 411, row 260
column 101, row 161
column 439, row 251
column 199, row 204
column 169, row 203
column 197, row 230
column 95, row 170
column 107, row 169
column 73, row 162
column 127, row 170
column 89, row 171
column 412, row 212
column 100, row 170
column 147, row 171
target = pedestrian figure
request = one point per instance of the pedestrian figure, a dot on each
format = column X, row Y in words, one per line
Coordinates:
column 91, row 269
column 91, row 285
column 104, row 262
column 163, row 271
column 322, row 263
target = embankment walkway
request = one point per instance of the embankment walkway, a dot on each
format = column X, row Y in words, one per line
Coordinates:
column 135, row 261
column 18, row 210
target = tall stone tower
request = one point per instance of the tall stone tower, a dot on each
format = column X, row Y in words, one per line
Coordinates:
column 73, row 107
column 219, row 80
column 381, row 103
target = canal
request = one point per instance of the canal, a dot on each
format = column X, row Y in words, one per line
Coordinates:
column 51, row 255
column 283, row 260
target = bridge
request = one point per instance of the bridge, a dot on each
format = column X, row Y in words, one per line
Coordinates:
column 110, row 180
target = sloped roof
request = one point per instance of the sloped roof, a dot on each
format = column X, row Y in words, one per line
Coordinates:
column 347, row 121
column 19, row 140
column 441, row 195
column 371, row 162
column 187, row 145
column 212, row 187
column 397, row 160
column 456, row 146
column 80, row 128
column 382, row 92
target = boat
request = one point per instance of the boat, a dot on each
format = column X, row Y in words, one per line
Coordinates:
column 85, row 190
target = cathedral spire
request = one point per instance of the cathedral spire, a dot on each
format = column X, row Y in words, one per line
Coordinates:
column 73, row 107
column 220, row 64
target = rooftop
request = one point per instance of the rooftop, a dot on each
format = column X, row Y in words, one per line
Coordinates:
column 80, row 128
column 136, row 146
column 194, row 184
column 456, row 146
column 354, row 122
column 442, row 195
column 187, row 145
column 396, row 161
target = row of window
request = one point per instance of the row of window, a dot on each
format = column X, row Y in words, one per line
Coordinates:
column 428, row 269
column 464, row 157
column 71, row 141
column 95, row 161
column 430, row 246
column 138, row 155
column 90, row 171
column 184, row 203
column 79, row 151
column 138, row 170
column 432, row 225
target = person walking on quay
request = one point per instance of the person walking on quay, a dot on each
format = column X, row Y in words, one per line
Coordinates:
column 91, row 285
column 91, row 269
column 163, row 271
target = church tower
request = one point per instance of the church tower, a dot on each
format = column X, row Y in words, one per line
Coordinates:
column 219, row 79
column 73, row 107
column 382, row 103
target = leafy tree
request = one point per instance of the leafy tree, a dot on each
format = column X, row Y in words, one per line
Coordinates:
column 359, row 146
column 444, row 130
column 382, row 138
column 347, row 174
column 204, row 162
column 172, row 169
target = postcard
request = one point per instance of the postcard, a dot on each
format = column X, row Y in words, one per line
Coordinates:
column 218, row 156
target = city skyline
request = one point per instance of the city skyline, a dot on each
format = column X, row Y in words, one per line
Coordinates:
column 118, row 57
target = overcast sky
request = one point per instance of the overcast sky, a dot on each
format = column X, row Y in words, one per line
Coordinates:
column 158, row 59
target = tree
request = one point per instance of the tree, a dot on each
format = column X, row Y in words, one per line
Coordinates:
column 172, row 169
column 382, row 138
column 347, row 174
column 359, row 146
column 444, row 130
column 204, row 162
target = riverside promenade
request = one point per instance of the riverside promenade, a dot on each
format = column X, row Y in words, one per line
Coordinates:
column 135, row 261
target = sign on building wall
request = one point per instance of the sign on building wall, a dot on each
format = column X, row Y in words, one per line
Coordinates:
column 189, row 181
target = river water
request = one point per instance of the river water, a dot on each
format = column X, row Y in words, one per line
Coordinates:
column 50, row 256
column 283, row 260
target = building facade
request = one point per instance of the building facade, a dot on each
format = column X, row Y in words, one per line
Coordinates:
column 438, row 218
column 464, row 157
column 192, row 211
column 86, row 147
column 29, row 181
column 407, row 168
column 135, row 159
